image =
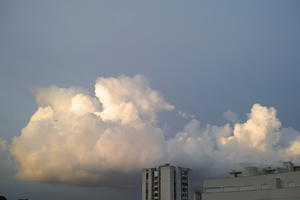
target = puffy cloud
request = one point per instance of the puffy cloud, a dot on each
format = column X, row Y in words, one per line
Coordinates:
column 295, row 147
column 129, row 100
column 77, row 138
column 73, row 137
column 261, row 130
column 260, row 140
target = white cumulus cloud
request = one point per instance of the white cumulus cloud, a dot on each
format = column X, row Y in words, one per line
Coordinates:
column 74, row 137
column 259, row 140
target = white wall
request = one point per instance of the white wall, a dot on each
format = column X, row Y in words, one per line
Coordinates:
column 167, row 183
column 280, row 186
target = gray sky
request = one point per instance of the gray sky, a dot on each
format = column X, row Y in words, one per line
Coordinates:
column 206, row 57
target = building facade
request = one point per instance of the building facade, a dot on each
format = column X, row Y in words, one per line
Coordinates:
column 256, row 184
column 167, row 182
column 197, row 195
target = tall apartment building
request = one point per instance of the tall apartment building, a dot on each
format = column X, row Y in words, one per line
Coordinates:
column 256, row 184
column 167, row 183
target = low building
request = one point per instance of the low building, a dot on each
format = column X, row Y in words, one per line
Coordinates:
column 167, row 182
column 256, row 184
column 197, row 195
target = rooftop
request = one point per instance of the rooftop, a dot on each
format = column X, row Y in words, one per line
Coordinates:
column 254, row 171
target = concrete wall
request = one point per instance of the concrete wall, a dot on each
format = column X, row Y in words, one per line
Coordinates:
column 179, row 184
column 170, row 185
column 190, row 186
column 144, row 184
column 280, row 186
column 167, row 183
column 280, row 194
column 147, row 184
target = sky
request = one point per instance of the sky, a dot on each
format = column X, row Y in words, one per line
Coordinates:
column 185, row 75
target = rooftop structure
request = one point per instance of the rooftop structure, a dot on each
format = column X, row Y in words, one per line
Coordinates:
column 253, row 183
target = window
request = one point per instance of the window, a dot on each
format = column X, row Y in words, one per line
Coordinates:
column 291, row 184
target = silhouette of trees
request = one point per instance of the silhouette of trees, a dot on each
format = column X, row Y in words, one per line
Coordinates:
column 2, row 198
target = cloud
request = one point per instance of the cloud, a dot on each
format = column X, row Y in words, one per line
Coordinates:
column 185, row 115
column 77, row 138
column 129, row 100
column 3, row 145
column 73, row 137
column 260, row 140
column 231, row 116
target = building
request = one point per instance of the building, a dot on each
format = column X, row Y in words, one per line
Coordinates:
column 167, row 183
column 256, row 184
column 197, row 195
